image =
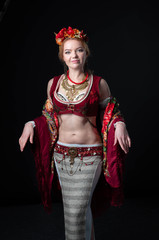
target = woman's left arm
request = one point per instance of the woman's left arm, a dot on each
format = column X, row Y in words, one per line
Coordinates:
column 121, row 133
column 122, row 136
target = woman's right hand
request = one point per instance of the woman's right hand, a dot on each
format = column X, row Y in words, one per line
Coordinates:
column 28, row 133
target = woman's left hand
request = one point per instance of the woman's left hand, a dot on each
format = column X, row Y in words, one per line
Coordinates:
column 122, row 136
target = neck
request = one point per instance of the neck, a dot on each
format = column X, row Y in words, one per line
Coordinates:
column 76, row 75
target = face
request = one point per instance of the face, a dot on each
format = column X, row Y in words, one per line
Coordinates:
column 74, row 54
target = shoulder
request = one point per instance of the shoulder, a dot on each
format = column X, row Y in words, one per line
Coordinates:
column 49, row 85
column 103, row 87
column 50, row 82
column 101, row 81
column 103, row 84
column 54, row 79
column 96, row 78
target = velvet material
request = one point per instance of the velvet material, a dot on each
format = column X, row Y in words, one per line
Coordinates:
column 109, row 190
column 86, row 107
column 42, row 156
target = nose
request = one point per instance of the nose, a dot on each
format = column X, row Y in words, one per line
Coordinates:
column 74, row 54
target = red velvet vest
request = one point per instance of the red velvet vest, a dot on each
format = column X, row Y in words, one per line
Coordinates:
column 45, row 136
column 86, row 106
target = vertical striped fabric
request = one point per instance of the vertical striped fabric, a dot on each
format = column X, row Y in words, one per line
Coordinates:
column 77, row 190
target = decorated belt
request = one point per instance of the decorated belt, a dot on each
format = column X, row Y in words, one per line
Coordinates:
column 78, row 151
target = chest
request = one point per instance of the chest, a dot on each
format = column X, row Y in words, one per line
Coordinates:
column 82, row 100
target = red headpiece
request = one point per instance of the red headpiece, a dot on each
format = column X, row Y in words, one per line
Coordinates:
column 69, row 33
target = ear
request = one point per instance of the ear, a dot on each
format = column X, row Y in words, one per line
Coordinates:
column 86, row 58
column 86, row 53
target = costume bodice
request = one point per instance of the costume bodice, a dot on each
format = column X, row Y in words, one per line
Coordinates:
column 87, row 105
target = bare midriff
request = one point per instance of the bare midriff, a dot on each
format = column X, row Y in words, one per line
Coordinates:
column 74, row 129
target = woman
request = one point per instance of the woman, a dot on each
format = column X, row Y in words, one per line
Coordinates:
column 79, row 152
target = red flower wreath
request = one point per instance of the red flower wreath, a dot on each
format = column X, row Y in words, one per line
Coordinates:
column 69, row 33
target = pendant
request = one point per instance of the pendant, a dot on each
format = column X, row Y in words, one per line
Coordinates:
column 73, row 90
column 72, row 93
column 73, row 153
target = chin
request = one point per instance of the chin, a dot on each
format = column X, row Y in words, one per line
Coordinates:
column 75, row 66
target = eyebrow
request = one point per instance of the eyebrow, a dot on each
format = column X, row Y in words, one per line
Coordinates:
column 70, row 49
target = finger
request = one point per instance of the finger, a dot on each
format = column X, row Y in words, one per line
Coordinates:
column 21, row 145
column 122, row 145
column 115, row 139
column 126, row 144
column 31, row 139
column 129, row 141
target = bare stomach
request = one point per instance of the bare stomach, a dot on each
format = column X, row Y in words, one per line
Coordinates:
column 74, row 129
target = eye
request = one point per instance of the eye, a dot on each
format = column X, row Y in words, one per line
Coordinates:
column 80, row 50
column 67, row 52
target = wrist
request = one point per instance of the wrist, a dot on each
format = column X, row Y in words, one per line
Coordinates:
column 32, row 123
column 119, row 123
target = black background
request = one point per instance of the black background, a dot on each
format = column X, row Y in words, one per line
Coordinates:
column 124, row 44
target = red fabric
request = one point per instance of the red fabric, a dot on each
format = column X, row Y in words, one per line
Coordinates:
column 41, row 151
column 116, row 158
column 109, row 190
column 87, row 107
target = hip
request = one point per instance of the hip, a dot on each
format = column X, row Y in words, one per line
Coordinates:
column 80, row 150
column 73, row 158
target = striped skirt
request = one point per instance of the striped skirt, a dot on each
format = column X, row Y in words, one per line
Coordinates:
column 79, row 167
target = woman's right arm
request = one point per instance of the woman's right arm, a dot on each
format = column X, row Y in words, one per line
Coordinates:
column 28, row 131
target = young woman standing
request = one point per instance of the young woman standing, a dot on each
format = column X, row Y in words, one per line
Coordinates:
column 75, row 99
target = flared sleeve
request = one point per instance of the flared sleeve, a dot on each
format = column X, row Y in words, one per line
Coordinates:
column 113, row 155
column 45, row 135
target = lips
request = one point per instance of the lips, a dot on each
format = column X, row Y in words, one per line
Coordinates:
column 75, row 61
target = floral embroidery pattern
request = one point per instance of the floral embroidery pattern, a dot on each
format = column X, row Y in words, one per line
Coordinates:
column 52, row 121
column 111, row 112
column 93, row 97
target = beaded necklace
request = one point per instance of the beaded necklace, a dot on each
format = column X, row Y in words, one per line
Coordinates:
column 73, row 90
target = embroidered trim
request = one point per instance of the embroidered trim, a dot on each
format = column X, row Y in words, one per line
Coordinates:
column 73, row 102
column 112, row 112
column 76, row 152
column 62, row 97
column 52, row 122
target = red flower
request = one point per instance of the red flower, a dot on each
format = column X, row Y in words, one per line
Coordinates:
column 70, row 31
column 61, row 33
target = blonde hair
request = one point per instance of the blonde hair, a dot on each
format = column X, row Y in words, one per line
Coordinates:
column 85, row 46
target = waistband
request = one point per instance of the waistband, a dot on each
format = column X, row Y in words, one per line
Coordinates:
column 80, row 150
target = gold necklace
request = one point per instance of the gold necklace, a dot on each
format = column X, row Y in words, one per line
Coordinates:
column 73, row 90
